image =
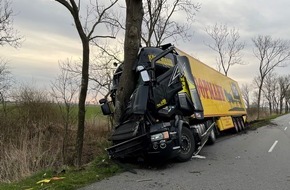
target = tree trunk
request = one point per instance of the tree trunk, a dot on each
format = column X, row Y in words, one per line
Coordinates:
column 82, row 102
column 270, row 107
column 281, row 105
column 259, row 98
column 134, row 15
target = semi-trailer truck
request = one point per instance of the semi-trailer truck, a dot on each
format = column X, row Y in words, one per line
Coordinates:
column 179, row 104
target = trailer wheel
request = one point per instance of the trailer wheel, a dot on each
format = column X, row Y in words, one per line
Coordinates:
column 242, row 124
column 236, row 129
column 239, row 124
column 187, row 146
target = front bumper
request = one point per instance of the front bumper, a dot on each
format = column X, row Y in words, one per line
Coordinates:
column 161, row 141
column 164, row 149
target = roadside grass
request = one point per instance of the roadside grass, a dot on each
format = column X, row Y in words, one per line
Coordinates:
column 255, row 124
column 67, row 179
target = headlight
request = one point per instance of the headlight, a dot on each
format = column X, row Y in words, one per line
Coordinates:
column 160, row 136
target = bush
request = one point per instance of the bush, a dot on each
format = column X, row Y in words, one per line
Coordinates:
column 32, row 133
column 27, row 142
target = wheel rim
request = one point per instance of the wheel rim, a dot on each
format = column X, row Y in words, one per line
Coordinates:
column 185, row 144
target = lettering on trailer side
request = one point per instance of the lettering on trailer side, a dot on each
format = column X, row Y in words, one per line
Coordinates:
column 209, row 90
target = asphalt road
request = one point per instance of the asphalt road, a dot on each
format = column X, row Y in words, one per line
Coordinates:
column 255, row 160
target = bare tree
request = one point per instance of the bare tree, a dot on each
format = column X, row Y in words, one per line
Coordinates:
column 270, row 89
column 226, row 42
column 271, row 54
column 6, row 81
column 102, row 74
column 159, row 24
column 101, row 70
column 287, row 101
column 134, row 12
column 103, row 67
column 97, row 16
column 246, row 89
column 102, row 77
column 8, row 35
column 284, row 86
column 64, row 91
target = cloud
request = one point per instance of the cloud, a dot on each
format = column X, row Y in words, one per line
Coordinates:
column 251, row 18
column 50, row 35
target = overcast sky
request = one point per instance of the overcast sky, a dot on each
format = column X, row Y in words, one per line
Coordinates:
column 50, row 36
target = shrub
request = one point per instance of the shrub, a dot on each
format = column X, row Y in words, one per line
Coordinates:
column 32, row 133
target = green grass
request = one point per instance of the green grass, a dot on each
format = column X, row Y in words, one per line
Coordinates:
column 93, row 111
column 97, row 170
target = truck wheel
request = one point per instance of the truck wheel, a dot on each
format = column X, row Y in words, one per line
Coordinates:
column 239, row 124
column 187, row 146
column 212, row 136
column 236, row 129
column 242, row 124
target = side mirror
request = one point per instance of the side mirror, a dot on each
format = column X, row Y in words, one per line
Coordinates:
column 106, row 109
column 102, row 101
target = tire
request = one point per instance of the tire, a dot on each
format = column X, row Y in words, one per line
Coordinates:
column 212, row 137
column 242, row 123
column 239, row 124
column 236, row 127
column 187, row 146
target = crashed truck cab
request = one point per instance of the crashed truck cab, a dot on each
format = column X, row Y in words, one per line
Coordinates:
column 155, row 117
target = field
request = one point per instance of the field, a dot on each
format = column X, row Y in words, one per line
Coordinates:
column 35, row 135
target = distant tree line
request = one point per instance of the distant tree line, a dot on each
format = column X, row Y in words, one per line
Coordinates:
column 269, row 53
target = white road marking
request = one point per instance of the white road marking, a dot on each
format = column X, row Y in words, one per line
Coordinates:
column 273, row 146
column 285, row 128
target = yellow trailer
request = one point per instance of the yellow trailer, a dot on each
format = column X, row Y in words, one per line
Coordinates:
column 220, row 96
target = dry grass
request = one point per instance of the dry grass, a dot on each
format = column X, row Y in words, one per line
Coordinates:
column 31, row 137
column 95, row 139
column 27, row 156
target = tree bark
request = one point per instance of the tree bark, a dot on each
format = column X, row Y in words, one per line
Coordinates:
column 259, row 97
column 82, row 101
column 83, row 89
column 134, row 15
column 270, row 107
column 281, row 105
